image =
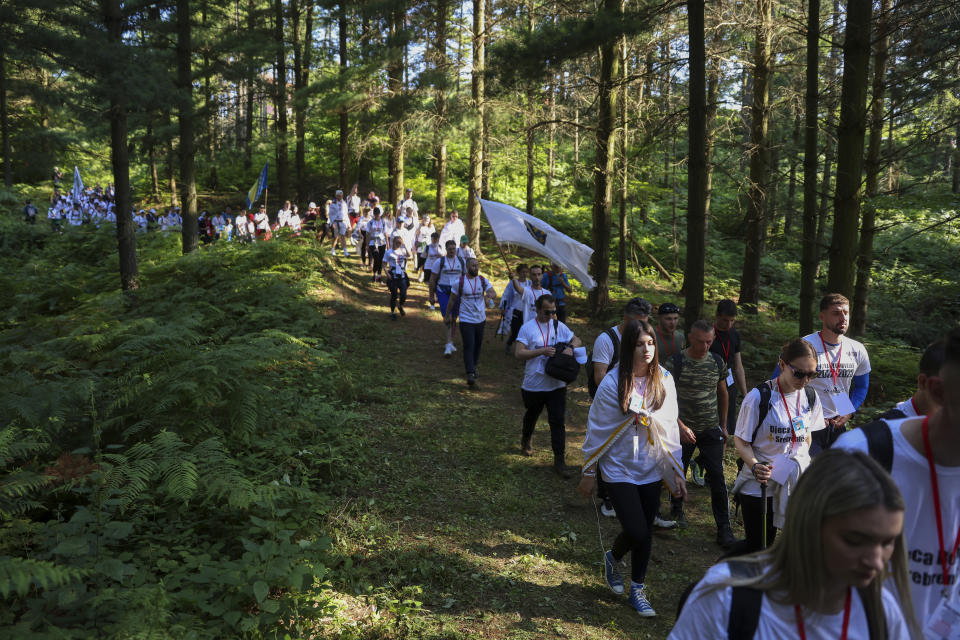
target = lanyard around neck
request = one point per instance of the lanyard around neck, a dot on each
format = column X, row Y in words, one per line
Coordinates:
column 945, row 561
column 834, row 371
column 846, row 619
column 793, row 432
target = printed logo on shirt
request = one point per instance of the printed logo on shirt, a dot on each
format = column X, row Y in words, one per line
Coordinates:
column 930, row 559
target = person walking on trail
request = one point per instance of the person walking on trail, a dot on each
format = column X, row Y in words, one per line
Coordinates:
column 513, row 305
column 843, row 370
column 397, row 281
column 604, row 357
column 536, row 343
column 339, row 219
column 669, row 338
column 433, row 252
column 700, row 377
column 29, row 212
column 726, row 343
column 556, row 282
column 831, row 575
column 636, row 402
column 445, row 273
column 773, row 434
column 922, row 454
column 423, row 238
column 409, row 206
column 472, row 294
column 530, row 293
column 922, row 402
column 453, row 229
column 376, row 230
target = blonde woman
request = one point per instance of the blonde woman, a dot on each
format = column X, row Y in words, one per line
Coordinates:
column 634, row 438
column 824, row 575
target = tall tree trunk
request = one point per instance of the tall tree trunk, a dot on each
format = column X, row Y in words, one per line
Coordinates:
column 603, row 171
column 713, row 90
column 808, row 260
column 861, row 294
column 280, row 86
column 791, row 211
column 693, row 277
column 828, row 152
column 151, row 148
column 344, row 151
column 485, row 152
column 126, row 242
column 955, row 187
column 530, row 174
column 551, row 151
column 396, row 130
column 188, row 182
column 248, row 122
column 299, row 106
column 440, row 99
column 210, row 128
column 477, row 91
column 759, row 158
column 624, row 169
column 850, row 135
column 4, row 119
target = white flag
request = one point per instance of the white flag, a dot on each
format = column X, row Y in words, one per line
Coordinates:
column 513, row 226
column 77, row 190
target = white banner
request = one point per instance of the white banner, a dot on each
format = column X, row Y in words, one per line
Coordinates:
column 510, row 225
column 77, row 190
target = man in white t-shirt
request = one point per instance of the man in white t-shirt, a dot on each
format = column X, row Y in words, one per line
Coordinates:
column 408, row 206
column 453, row 229
column 283, row 215
column 926, row 464
column 843, row 370
column 473, row 293
column 512, row 303
column 338, row 223
column 445, row 272
column 535, row 345
column 530, row 293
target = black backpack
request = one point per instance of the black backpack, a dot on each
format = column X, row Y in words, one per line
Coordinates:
column 880, row 439
column 766, row 391
column 562, row 366
column 593, row 383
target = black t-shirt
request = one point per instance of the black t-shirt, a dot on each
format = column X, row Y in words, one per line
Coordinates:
column 725, row 344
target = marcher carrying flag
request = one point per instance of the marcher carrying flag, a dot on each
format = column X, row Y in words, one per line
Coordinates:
column 258, row 187
column 77, row 191
column 510, row 225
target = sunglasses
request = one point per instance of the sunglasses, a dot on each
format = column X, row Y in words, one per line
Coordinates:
column 800, row 375
column 669, row 308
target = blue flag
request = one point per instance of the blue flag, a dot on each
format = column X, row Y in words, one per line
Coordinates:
column 257, row 189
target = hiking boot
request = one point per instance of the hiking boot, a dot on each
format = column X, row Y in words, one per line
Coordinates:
column 560, row 468
column 526, row 446
column 660, row 523
column 638, row 600
column 607, row 509
column 725, row 538
column 402, row 312
column 610, row 573
column 471, row 379
column 676, row 514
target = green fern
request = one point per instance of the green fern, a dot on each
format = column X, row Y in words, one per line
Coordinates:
column 19, row 575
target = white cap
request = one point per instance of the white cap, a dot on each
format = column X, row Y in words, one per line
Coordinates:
column 313, row 205
column 339, row 192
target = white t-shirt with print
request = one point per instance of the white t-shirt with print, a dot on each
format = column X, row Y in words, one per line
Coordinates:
column 534, row 335
column 449, row 269
column 376, row 232
column 911, row 473
column 338, row 211
column 423, row 236
column 705, row 614
column 473, row 308
column 396, row 261
column 853, row 361
column 775, row 437
column 603, row 347
column 529, row 302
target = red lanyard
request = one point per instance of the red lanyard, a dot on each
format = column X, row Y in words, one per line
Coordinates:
column 725, row 349
column 834, row 372
column 546, row 340
column 846, row 619
column 663, row 339
column 473, row 290
column 793, row 432
column 916, row 409
column 944, row 561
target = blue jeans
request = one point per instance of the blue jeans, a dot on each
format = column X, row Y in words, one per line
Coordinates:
column 472, row 335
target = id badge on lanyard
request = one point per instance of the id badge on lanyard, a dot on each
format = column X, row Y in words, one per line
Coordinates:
column 944, row 624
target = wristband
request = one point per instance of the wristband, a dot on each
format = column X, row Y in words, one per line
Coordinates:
column 590, row 474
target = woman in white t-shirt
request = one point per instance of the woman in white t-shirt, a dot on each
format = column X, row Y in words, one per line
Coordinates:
column 633, row 439
column 362, row 223
column 777, row 451
column 397, row 280
column 376, row 231
column 823, row 578
column 424, row 233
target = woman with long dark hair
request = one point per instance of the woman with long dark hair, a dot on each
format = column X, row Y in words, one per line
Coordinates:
column 634, row 438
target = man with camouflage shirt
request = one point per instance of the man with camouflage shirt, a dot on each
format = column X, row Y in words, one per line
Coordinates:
column 700, row 377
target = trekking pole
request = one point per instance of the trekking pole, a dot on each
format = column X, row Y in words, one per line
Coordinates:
column 763, row 512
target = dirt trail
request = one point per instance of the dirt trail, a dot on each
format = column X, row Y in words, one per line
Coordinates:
column 501, row 547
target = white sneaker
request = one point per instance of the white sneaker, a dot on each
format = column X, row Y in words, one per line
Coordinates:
column 429, row 306
column 436, row 307
column 346, row 253
column 447, row 350
column 420, row 277
column 660, row 523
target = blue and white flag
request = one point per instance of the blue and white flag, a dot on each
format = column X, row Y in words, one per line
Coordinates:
column 257, row 189
column 77, row 190
column 510, row 225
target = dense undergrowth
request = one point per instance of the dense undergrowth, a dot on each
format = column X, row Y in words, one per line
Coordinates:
column 168, row 455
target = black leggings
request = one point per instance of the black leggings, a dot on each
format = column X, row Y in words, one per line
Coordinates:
column 556, row 403
column 398, row 290
column 376, row 254
column 636, row 506
column 363, row 247
column 516, row 321
column 752, row 508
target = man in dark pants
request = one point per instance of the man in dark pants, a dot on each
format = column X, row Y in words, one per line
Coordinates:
column 700, row 377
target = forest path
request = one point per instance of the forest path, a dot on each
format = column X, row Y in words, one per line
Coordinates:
column 500, row 546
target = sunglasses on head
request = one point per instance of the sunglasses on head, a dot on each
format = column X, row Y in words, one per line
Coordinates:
column 800, row 375
column 669, row 308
